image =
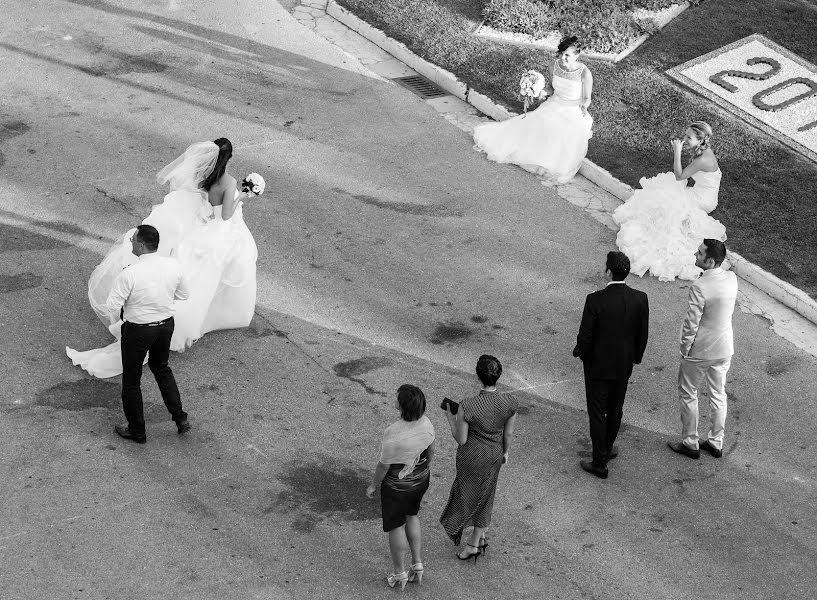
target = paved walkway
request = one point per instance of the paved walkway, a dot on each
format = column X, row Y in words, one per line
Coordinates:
column 581, row 192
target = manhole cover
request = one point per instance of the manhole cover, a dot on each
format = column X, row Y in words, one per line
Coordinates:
column 421, row 86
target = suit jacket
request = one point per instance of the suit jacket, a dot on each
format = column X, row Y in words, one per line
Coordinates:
column 707, row 329
column 613, row 333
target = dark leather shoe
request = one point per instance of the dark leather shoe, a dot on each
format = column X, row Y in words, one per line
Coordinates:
column 588, row 466
column 183, row 426
column 682, row 448
column 707, row 445
column 125, row 432
column 612, row 453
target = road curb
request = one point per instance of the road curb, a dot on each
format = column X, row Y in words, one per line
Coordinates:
column 783, row 292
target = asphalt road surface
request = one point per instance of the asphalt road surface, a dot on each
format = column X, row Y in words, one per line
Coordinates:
column 390, row 252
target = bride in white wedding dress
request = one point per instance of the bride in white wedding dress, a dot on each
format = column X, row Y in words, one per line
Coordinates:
column 552, row 140
column 201, row 223
column 663, row 223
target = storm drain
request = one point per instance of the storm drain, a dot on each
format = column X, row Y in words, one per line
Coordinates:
column 420, row 86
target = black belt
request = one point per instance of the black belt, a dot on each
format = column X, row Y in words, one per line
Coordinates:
column 162, row 322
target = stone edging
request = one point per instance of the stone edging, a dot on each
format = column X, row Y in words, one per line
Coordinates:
column 783, row 292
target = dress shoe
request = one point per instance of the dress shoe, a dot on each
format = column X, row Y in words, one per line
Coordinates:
column 183, row 426
column 682, row 448
column 125, row 432
column 707, row 445
column 588, row 466
column 612, row 453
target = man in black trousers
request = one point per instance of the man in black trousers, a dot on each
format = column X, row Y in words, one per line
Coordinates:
column 612, row 338
column 145, row 294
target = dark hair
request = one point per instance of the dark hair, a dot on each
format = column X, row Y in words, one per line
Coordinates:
column 716, row 250
column 412, row 402
column 568, row 42
column 225, row 152
column 149, row 236
column 618, row 264
column 489, row 369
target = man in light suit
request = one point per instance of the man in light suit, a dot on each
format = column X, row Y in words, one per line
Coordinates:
column 707, row 345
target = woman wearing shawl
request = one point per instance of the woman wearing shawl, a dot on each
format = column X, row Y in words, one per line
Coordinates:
column 403, row 475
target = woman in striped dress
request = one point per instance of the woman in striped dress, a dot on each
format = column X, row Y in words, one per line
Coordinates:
column 482, row 426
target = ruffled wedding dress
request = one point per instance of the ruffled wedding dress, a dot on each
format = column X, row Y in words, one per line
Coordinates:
column 218, row 258
column 663, row 224
column 550, row 141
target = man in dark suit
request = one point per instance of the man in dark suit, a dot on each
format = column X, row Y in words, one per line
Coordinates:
column 612, row 338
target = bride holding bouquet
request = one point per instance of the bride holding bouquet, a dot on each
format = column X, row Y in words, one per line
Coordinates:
column 201, row 223
column 552, row 140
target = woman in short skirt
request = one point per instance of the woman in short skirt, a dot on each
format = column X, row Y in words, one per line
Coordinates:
column 403, row 475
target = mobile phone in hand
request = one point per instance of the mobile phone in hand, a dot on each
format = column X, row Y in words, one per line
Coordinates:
column 448, row 402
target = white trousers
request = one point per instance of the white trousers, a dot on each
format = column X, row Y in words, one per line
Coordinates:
column 690, row 374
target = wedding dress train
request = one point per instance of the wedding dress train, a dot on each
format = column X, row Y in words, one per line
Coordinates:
column 218, row 258
column 663, row 224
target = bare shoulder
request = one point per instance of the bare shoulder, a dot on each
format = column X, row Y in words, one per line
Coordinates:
column 225, row 182
column 708, row 161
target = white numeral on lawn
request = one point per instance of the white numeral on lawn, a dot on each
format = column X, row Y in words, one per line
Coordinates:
column 719, row 79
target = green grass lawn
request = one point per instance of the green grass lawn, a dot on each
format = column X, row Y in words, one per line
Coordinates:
column 768, row 198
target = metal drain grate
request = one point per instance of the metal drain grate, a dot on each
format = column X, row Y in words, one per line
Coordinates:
column 421, row 86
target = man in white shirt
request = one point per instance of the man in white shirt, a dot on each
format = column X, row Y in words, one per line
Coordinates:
column 145, row 294
column 707, row 345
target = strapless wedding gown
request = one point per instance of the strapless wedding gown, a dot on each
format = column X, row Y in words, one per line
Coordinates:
column 218, row 258
column 550, row 141
column 663, row 224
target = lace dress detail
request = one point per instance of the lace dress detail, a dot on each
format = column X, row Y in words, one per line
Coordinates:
column 550, row 141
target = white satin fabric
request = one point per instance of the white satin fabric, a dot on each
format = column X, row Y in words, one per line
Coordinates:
column 550, row 141
column 218, row 257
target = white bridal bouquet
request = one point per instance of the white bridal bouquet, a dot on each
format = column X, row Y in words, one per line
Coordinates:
column 530, row 86
column 253, row 184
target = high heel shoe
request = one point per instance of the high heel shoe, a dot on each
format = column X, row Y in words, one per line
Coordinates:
column 483, row 544
column 396, row 578
column 416, row 573
column 468, row 556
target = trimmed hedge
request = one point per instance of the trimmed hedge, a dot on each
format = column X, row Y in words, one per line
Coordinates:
column 602, row 26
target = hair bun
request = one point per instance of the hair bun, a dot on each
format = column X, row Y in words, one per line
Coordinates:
column 567, row 42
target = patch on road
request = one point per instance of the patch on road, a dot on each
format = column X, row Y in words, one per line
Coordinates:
column 81, row 395
column 8, row 130
column 11, row 129
column 21, row 281
column 113, row 62
column 120, row 63
column 15, row 239
column 260, row 326
column 451, row 332
column 319, row 491
column 360, row 366
column 423, row 210
column 780, row 365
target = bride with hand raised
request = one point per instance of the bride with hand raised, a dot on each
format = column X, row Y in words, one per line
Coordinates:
column 663, row 223
column 201, row 223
